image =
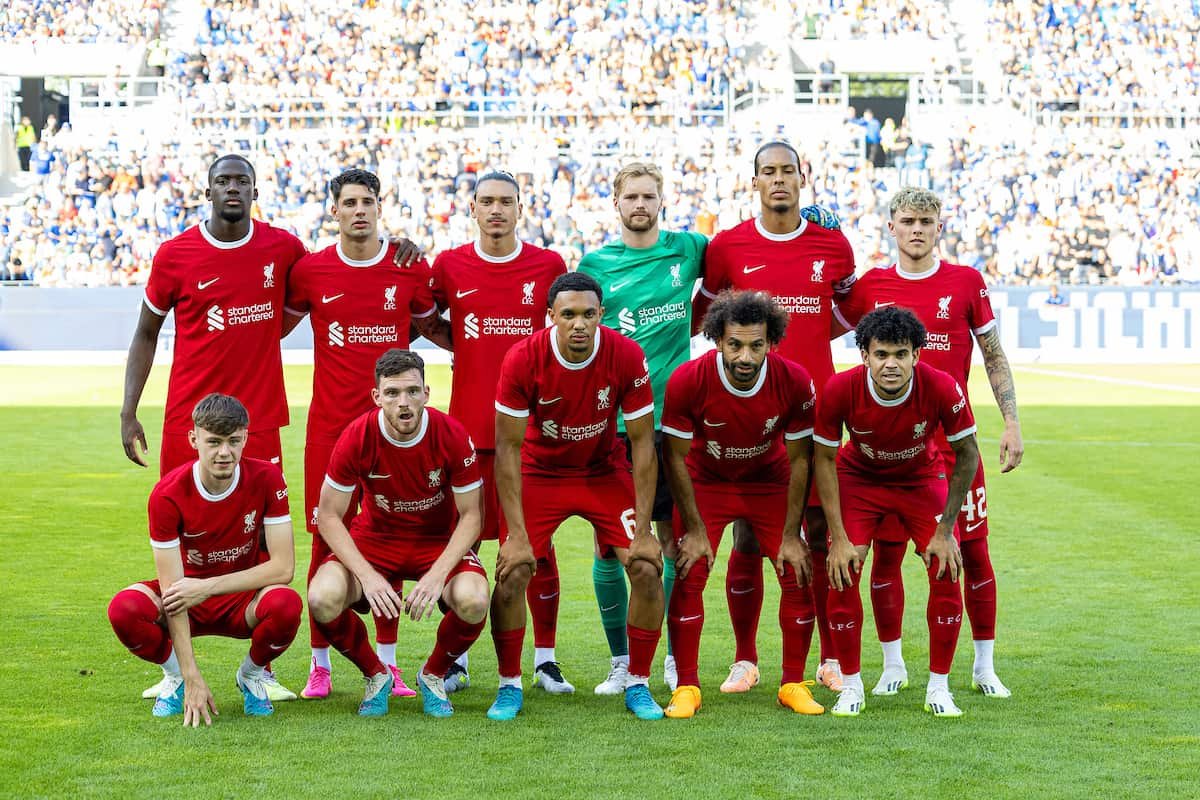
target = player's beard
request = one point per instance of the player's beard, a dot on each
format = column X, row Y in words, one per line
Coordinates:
column 744, row 377
column 638, row 224
column 233, row 215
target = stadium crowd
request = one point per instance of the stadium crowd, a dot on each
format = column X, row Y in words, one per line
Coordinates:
column 857, row 19
column 1133, row 54
column 80, row 21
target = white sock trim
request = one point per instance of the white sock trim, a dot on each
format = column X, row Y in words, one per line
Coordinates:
column 320, row 658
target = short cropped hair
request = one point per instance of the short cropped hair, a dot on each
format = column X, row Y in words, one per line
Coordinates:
column 496, row 175
column 776, row 143
column 744, row 308
column 221, row 414
column 354, row 177
column 890, row 324
column 396, row 361
column 638, row 169
column 231, row 157
column 573, row 282
column 915, row 199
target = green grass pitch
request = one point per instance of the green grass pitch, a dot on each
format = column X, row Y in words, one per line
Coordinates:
column 1094, row 540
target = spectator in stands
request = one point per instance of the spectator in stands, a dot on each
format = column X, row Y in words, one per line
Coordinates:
column 26, row 138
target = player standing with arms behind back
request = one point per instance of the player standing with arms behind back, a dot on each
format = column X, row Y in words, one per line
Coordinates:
column 804, row 267
column 648, row 276
column 952, row 302
column 495, row 289
column 360, row 305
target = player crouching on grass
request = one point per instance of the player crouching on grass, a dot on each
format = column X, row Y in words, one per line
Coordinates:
column 738, row 425
column 206, row 521
column 893, row 407
column 421, row 513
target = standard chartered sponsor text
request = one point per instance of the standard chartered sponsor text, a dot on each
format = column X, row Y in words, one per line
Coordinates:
column 799, row 304
column 937, row 341
column 244, row 315
column 370, row 334
column 668, row 312
column 507, row 326
column 579, row 433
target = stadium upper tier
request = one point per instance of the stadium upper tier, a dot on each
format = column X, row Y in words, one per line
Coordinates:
column 1030, row 213
column 81, row 21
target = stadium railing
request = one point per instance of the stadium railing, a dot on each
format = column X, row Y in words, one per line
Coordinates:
column 1113, row 111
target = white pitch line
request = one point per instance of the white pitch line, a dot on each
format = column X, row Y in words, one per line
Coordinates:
column 1104, row 442
column 1170, row 387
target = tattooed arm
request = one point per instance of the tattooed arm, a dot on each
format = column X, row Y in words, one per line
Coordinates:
column 1012, row 448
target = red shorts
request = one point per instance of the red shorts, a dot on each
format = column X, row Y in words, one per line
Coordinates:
column 606, row 501
column 316, row 461
column 491, row 501
column 222, row 615
column 403, row 560
column 867, row 506
column 722, row 503
column 972, row 518
column 176, row 450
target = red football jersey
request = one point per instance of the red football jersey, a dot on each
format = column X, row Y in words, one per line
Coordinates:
column 893, row 441
column 217, row 534
column 405, row 484
column 358, row 309
column 228, row 301
column 803, row 270
column 950, row 300
column 494, row 303
column 737, row 436
column 572, row 408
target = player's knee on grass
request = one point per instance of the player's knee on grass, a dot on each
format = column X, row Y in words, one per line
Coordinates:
column 467, row 596
column 743, row 538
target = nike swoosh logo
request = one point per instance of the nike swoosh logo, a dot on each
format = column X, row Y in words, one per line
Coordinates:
column 860, row 433
column 714, row 424
column 609, row 608
column 748, row 270
column 972, row 526
column 881, row 585
column 617, row 286
column 277, row 646
column 975, row 586
column 461, row 295
column 378, row 477
column 202, row 285
column 690, row 619
column 881, row 304
column 551, row 401
column 325, row 299
column 550, row 596
column 741, row 591
column 188, row 535
column 805, row 621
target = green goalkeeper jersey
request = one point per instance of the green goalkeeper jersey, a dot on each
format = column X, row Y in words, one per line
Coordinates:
column 648, row 297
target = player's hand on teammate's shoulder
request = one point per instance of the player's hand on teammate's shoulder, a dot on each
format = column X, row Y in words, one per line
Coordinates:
column 793, row 550
column 380, row 595
column 820, row 215
column 198, row 701
column 1012, row 447
column 185, row 593
column 945, row 549
column 132, row 434
column 515, row 552
column 843, row 560
column 407, row 252
column 694, row 547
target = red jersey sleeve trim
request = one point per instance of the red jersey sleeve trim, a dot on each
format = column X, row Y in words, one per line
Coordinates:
column 520, row 413
column 157, row 545
column 641, row 412
column 982, row 329
column 276, row 520
column 677, row 433
column 826, row 442
column 470, row 487
column 954, row 437
column 160, row 312
column 340, row 487
column 425, row 314
column 804, row 434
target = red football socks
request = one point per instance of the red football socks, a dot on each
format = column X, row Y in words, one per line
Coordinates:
column 454, row 637
column 134, row 618
column 542, row 596
column 278, row 613
column 744, row 593
column 979, row 589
